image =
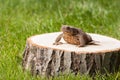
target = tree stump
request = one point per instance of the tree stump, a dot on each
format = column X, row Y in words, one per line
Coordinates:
column 41, row 57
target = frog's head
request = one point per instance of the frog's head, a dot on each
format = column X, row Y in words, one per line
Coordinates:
column 69, row 30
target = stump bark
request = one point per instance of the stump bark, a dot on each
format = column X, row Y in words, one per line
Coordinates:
column 41, row 57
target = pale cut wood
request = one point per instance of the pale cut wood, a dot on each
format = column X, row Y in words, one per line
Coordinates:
column 41, row 57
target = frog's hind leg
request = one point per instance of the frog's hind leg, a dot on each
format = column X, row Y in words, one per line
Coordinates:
column 82, row 41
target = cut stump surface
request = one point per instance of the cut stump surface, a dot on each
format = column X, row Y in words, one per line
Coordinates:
column 41, row 57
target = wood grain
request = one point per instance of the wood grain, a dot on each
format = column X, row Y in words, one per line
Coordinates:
column 41, row 57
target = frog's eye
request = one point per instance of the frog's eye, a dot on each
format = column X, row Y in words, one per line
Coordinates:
column 75, row 31
column 68, row 28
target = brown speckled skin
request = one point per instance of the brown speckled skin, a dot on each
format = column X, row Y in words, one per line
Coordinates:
column 73, row 36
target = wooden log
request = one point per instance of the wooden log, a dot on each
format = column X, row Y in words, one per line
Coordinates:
column 41, row 57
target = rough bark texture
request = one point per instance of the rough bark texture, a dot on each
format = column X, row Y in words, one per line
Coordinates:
column 50, row 61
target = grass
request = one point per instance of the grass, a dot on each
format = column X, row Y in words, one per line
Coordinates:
column 20, row 19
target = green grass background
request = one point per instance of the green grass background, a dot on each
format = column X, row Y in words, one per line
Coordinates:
column 20, row 19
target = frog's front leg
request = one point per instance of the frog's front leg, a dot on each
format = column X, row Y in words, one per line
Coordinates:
column 57, row 43
column 58, row 39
